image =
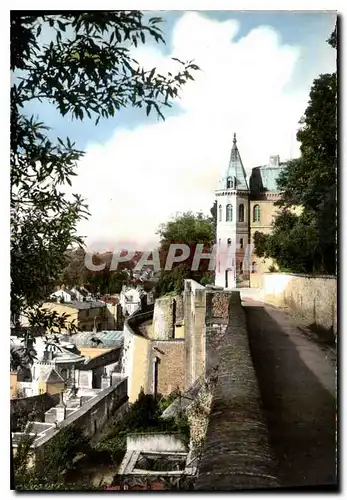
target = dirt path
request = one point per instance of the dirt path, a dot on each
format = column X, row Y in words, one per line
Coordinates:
column 297, row 383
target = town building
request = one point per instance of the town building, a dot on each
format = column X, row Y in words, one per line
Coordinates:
column 83, row 316
column 244, row 206
column 130, row 299
column 85, row 361
column 77, row 293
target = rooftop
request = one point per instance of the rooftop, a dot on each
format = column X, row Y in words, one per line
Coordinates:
column 235, row 175
column 83, row 305
column 265, row 177
column 109, row 338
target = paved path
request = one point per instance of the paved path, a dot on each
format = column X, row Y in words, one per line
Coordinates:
column 297, row 384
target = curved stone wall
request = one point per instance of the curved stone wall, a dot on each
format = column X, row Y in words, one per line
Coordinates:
column 237, row 454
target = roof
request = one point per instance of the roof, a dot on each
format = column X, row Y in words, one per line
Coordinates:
column 51, row 376
column 264, row 178
column 109, row 338
column 235, row 170
column 47, row 373
column 85, row 305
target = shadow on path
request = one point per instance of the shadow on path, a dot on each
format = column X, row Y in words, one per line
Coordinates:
column 301, row 412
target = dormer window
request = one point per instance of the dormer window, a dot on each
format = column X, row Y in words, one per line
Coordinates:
column 230, row 183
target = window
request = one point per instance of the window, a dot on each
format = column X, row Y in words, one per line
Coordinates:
column 229, row 210
column 241, row 212
column 254, row 267
column 256, row 213
column 229, row 183
column 229, row 242
column 220, row 212
column 241, row 242
column 219, row 242
column 241, row 267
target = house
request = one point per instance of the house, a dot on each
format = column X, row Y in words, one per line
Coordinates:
column 115, row 315
column 50, row 369
column 62, row 295
column 88, row 315
column 77, row 293
column 244, row 206
column 86, row 360
column 130, row 299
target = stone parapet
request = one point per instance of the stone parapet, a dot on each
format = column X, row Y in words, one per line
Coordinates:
column 237, row 454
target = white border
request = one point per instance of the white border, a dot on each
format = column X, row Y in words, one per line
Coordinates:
column 236, row 5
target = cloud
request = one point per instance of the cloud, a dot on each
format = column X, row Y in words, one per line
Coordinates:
column 143, row 175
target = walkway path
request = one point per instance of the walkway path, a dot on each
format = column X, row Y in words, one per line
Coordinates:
column 297, row 384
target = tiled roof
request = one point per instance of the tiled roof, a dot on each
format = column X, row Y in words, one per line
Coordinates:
column 269, row 176
column 109, row 338
column 235, row 170
column 85, row 305
column 265, row 178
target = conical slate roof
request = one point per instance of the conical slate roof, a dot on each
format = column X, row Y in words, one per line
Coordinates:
column 235, row 171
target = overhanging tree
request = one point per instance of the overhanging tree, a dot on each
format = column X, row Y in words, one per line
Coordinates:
column 308, row 243
column 86, row 71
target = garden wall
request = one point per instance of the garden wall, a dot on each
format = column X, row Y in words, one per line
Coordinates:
column 313, row 298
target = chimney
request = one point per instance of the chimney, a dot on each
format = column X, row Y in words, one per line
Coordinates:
column 61, row 409
column 274, row 161
column 105, row 380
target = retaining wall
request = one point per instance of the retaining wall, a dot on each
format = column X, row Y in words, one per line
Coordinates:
column 156, row 442
column 194, row 330
column 313, row 298
column 89, row 418
column 237, row 454
column 35, row 406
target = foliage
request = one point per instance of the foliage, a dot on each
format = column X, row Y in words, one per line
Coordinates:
column 143, row 416
column 189, row 229
column 104, row 282
column 57, row 460
column 85, row 70
column 213, row 211
column 292, row 243
column 307, row 242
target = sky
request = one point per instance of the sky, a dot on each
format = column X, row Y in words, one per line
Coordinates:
column 255, row 78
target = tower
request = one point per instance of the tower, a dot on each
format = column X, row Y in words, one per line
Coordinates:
column 232, row 198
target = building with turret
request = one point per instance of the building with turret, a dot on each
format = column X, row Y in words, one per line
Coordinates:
column 244, row 206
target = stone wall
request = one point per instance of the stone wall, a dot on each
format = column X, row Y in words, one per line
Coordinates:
column 163, row 320
column 313, row 298
column 217, row 304
column 198, row 413
column 237, row 453
column 194, row 298
column 139, row 353
column 171, row 365
column 135, row 353
column 89, row 418
column 168, row 317
column 33, row 406
column 156, row 442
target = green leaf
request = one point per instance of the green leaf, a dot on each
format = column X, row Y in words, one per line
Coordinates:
column 61, row 26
